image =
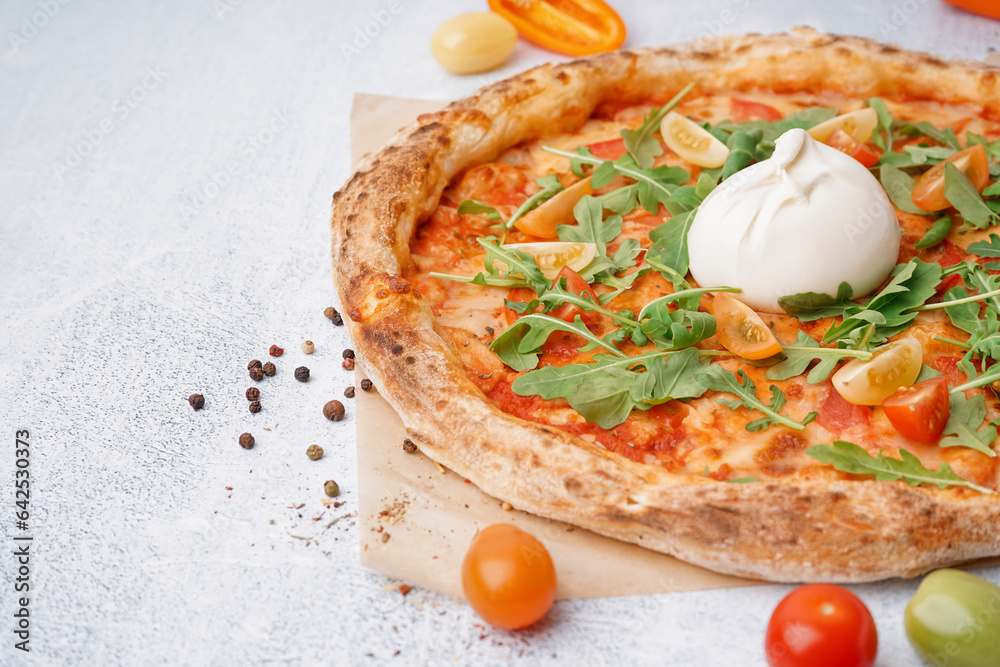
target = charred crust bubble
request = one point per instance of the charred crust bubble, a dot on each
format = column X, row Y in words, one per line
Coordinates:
column 397, row 350
column 398, row 284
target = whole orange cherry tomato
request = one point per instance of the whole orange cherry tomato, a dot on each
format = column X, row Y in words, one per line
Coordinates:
column 508, row 577
column 573, row 27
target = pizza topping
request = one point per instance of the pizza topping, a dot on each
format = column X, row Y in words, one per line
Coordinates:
column 692, row 142
column 859, row 125
column 558, row 210
column 719, row 379
column 552, row 256
column 931, row 190
column 741, row 330
column 869, row 382
column 780, row 228
column 920, row 411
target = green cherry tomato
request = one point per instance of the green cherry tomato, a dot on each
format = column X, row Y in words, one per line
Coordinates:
column 954, row 620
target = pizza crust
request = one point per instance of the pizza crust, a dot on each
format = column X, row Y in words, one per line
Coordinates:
column 823, row 530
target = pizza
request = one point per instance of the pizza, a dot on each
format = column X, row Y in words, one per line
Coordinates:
column 539, row 280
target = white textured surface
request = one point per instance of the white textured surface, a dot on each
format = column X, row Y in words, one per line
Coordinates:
column 118, row 302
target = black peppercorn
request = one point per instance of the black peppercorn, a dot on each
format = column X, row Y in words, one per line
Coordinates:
column 256, row 374
column 255, row 406
column 337, row 319
column 349, row 392
column 197, row 401
column 334, row 411
column 409, row 446
column 253, row 393
column 246, row 441
column 255, row 362
column 348, row 353
column 269, row 369
column 302, row 374
column 366, row 385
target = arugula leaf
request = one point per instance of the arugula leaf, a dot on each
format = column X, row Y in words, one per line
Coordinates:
column 992, row 147
column 892, row 309
column 964, row 419
column 551, row 186
column 670, row 245
column 804, row 352
column 717, row 378
column 946, row 136
column 882, row 134
column 962, row 194
column 898, row 185
column 742, row 149
column 921, row 155
column 935, row 234
column 672, row 330
column 519, row 344
column 605, row 391
column 591, row 226
column 965, row 316
column 514, row 264
column 992, row 190
column 474, row 206
column 742, row 480
column 988, row 249
column 640, row 142
column 848, row 457
column 619, row 284
column 809, row 306
column 770, row 131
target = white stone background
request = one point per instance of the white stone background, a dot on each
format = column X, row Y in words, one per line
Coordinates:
column 118, row 302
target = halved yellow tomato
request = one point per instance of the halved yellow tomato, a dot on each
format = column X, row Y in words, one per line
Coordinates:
column 741, row 330
column 871, row 381
column 928, row 192
column 542, row 221
column 859, row 124
column 551, row 256
column 692, row 142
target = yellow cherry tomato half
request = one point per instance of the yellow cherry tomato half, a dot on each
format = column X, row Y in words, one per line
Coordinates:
column 551, row 256
column 859, row 124
column 871, row 381
column 508, row 577
column 928, row 192
column 741, row 330
column 692, row 142
column 542, row 221
column 473, row 42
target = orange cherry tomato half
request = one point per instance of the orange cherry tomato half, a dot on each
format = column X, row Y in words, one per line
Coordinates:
column 742, row 110
column 845, row 143
column 558, row 210
column 508, row 577
column 920, row 411
column 577, row 285
column 928, row 193
column 572, row 27
column 988, row 8
column 741, row 330
column 821, row 625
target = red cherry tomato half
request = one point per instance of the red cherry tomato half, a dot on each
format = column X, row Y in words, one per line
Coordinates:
column 577, row 285
column 508, row 577
column 742, row 110
column 845, row 143
column 821, row 625
column 919, row 411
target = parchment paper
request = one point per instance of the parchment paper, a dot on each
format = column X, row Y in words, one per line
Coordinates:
column 430, row 515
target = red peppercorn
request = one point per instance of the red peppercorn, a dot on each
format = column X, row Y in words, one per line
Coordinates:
column 276, row 351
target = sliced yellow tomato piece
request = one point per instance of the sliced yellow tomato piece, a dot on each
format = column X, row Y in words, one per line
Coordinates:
column 859, row 124
column 551, row 256
column 741, row 330
column 871, row 381
column 692, row 142
column 542, row 221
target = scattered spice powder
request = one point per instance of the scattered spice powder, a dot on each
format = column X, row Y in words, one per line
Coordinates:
column 331, row 488
column 315, row 452
column 269, row 369
column 276, row 351
column 197, row 401
column 348, row 364
column 349, row 392
column 308, row 346
column 253, row 393
column 255, row 406
column 246, row 441
column 409, row 446
column 302, row 374
column 366, row 385
column 333, row 410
